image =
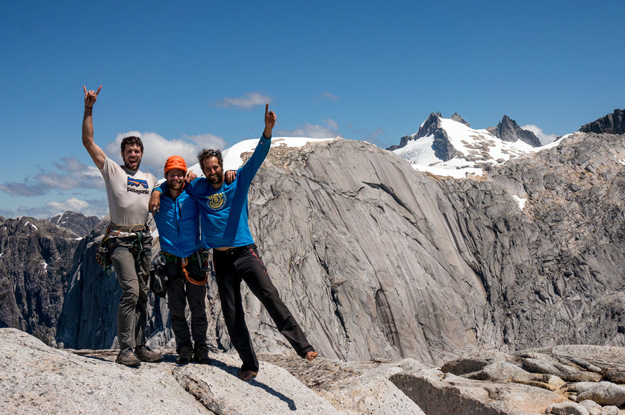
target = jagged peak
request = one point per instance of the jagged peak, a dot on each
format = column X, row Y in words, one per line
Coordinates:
column 610, row 124
column 457, row 117
column 509, row 130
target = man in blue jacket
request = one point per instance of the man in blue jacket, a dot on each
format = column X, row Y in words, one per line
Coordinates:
column 177, row 220
column 223, row 211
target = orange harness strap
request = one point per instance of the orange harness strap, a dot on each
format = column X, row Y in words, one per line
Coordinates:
column 184, row 262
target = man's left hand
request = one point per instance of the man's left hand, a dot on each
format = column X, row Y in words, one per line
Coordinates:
column 230, row 176
column 190, row 176
column 270, row 121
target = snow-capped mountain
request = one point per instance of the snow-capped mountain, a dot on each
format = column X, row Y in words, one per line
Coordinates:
column 450, row 147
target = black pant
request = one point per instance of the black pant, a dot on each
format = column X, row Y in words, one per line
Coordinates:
column 180, row 292
column 243, row 264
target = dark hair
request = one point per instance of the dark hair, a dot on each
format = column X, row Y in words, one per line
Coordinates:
column 130, row 141
column 206, row 153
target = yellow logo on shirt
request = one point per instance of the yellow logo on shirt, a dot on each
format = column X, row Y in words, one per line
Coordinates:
column 216, row 201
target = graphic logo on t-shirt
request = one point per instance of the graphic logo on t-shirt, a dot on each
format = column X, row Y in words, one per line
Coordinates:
column 133, row 184
column 216, row 201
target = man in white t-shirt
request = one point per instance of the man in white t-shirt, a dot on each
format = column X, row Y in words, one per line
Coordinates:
column 128, row 237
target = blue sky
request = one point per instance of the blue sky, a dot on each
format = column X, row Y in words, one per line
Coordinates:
column 197, row 74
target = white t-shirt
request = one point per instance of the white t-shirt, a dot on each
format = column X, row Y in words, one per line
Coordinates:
column 128, row 193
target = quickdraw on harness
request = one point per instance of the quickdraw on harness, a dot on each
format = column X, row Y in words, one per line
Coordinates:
column 160, row 280
column 103, row 257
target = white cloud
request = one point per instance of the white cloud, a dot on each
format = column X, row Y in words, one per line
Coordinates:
column 330, row 130
column 249, row 100
column 544, row 138
column 73, row 204
column 329, row 96
column 157, row 149
column 98, row 207
column 70, row 175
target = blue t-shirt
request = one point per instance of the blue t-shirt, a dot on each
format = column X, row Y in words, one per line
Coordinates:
column 223, row 211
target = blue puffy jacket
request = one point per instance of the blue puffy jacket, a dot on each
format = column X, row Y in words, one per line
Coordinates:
column 178, row 225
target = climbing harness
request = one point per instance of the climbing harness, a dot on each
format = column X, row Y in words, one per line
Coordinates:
column 196, row 258
column 103, row 255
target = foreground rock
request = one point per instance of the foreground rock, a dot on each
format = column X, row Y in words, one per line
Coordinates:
column 37, row 379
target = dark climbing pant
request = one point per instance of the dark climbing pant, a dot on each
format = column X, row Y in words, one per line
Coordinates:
column 243, row 264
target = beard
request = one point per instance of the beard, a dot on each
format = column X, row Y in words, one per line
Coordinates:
column 216, row 178
column 129, row 165
column 175, row 184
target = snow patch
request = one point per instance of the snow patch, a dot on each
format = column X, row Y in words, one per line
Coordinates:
column 31, row 224
column 520, row 201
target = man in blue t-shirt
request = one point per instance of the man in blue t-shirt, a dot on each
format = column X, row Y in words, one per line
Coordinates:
column 223, row 213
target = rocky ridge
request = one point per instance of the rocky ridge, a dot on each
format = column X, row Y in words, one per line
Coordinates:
column 78, row 223
column 610, row 124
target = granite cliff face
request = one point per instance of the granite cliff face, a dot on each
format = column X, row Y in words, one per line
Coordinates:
column 35, row 258
column 416, row 266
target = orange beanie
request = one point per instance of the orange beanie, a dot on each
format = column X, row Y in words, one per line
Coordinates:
column 175, row 162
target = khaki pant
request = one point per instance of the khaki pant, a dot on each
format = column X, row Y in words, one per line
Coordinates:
column 131, row 257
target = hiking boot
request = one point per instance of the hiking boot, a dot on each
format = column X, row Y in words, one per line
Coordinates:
column 201, row 355
column 185, row 354
column 126, row 357
column 145, row 354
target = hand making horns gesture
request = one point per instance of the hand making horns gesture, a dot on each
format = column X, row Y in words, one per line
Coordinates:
column 91, row 96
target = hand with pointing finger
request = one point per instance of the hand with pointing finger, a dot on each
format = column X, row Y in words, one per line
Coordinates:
column 91, row 96
column 270, row 121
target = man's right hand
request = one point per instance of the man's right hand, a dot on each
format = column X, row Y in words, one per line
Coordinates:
column 91, row 96
column 155, row 202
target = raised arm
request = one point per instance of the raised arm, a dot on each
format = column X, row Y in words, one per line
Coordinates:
column 96, row 153
column 270, row 122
